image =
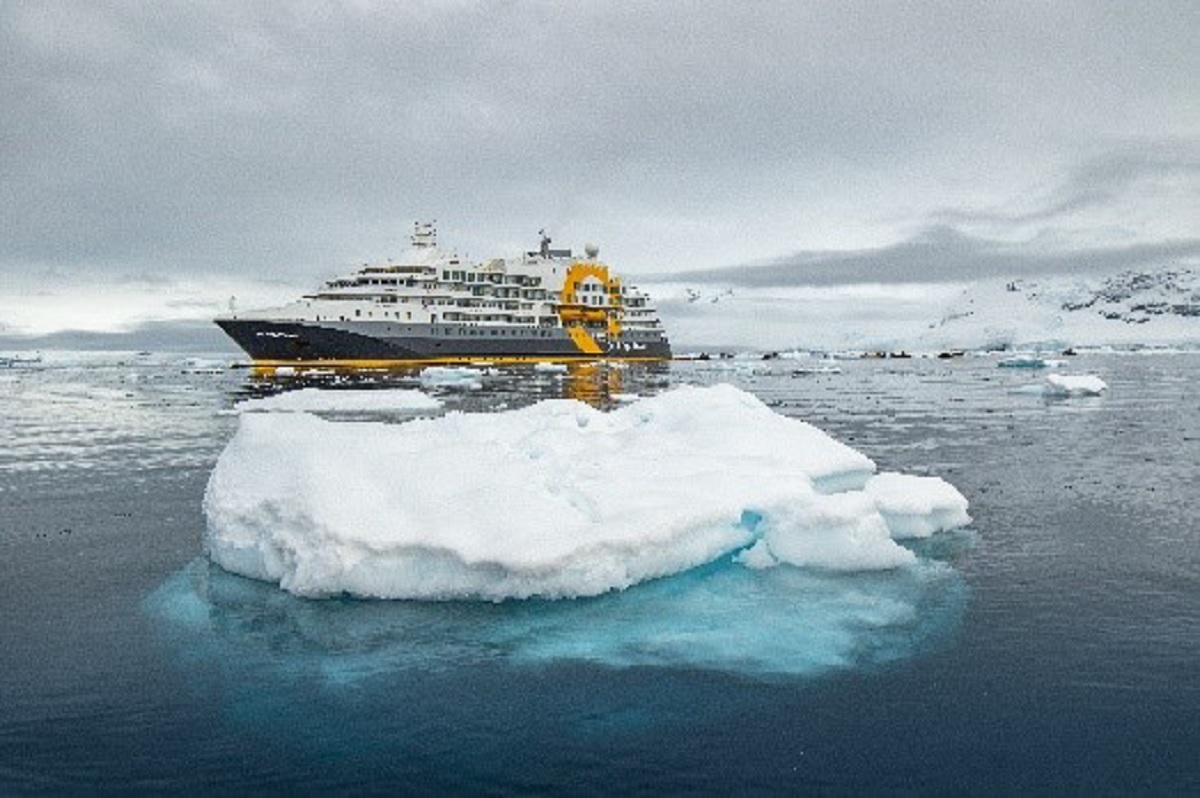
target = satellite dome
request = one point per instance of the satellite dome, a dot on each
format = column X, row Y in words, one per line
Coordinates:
column 592, row 250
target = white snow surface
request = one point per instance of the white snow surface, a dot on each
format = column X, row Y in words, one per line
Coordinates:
column 555, row 500
column 341, row 401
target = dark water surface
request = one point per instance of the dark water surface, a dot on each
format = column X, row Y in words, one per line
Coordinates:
column 1052, row 647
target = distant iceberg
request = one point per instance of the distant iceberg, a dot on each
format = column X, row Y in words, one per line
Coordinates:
column 554, row 500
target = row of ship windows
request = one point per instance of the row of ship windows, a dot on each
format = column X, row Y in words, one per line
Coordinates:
column 596, row 299
column 492, row 332
column 543, row 321
column 545, row 331
column 505, row 319
column 496, row 279
column 532, row 295
column 408, row 317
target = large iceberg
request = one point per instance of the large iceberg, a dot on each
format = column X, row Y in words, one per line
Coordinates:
column 555, row 500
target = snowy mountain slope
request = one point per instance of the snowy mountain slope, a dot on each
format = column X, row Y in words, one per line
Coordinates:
column 1130, row 308
column 1127, row 309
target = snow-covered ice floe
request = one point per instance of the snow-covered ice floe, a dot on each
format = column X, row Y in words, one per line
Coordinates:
column 1079, row 385
column 341, row 401
column 1060, row 386
column 820, row 367
column 451, row 377
column 555, row 500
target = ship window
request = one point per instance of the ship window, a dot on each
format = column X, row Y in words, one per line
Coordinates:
column 357, row 312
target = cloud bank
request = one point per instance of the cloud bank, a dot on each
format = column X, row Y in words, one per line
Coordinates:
column 285, row 141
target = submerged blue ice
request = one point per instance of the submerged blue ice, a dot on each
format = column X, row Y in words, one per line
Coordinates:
column 722, row 617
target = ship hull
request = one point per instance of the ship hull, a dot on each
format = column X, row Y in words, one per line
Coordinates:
column 297, row 342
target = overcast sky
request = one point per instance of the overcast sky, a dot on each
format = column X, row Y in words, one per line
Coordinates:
column 287, row 141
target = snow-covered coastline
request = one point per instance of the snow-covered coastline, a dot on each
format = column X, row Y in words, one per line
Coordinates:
column 1124, row 310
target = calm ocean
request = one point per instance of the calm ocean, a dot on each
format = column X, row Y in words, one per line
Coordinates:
column 1053, row 647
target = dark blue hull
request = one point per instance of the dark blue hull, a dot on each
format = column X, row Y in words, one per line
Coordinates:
column 298, row 342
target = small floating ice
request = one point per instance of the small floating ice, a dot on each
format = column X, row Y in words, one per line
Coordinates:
column 819, row 367
column 1028, row 362
column 548, row 367
column 341, row 401
column 556, row 500
column 1081, row 385
column 451, row 377
column 200, row 365
column 1061, row 386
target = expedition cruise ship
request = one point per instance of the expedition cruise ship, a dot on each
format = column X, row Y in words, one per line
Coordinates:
column 433, row 306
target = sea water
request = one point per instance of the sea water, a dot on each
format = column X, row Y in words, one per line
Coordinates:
column 1051, row 646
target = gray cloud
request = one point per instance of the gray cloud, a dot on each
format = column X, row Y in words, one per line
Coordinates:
column 276, row 139
column 1096, row 183
column 944, row 254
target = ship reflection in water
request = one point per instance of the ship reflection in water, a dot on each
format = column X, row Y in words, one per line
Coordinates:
column 599, row 383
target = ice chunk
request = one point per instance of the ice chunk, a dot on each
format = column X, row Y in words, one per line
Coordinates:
column 1028, row 362
column 557, row 499
column 199, row 365
column 451, row 377
column 842, row 532
column 917, row 507
column 342, row 401
column 1080, row 385
column 1062, row 386
column 820, row 367
column 550, row 368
